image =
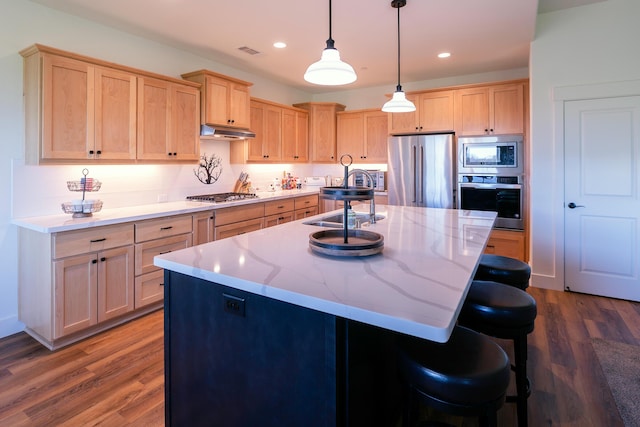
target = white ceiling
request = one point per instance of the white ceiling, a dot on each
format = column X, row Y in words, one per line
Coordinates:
column 482, row 36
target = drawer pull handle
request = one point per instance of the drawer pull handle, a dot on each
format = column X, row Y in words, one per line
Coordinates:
column 162, row 284
column 166, row 228
column 98, row 240
column 165, row 252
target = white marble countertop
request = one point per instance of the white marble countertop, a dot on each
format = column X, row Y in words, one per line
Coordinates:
column 64, row 222
column 415, row 286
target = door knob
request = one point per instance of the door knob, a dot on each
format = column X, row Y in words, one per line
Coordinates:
column 573, row 206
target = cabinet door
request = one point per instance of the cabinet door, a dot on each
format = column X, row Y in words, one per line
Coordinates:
column 302, row 137
column 203, row 228
column 115, row 115
column 272, row 142
column 436, row 111
column 405, row 122
column 376, row 135
column 258, row 125
column 154, row 119
column 239, row 100
column 289, row 136
column 472, row 107
column 506, row 103
column 323, row 133
column 67, row 108
column 217, row 101
column 185, row 122
column 115, row 282
column 350, row 136
column 75, row 300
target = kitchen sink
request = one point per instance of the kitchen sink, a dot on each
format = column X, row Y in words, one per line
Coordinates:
column 336, row 220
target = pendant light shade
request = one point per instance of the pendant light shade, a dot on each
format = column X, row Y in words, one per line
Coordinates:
column 399, row 102
column 330, row 70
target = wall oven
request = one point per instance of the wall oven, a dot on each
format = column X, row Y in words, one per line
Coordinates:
column 501, row 194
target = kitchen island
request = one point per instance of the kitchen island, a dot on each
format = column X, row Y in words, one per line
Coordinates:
column 259, row 330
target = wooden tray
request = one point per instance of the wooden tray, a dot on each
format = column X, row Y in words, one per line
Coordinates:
column 359, row 243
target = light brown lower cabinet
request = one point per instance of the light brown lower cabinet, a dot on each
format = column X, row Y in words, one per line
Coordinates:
column 507, row 243
column 92, row 288
column 156, row 237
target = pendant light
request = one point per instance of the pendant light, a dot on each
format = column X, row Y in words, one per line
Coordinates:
column 399, row 102
column 330, row 70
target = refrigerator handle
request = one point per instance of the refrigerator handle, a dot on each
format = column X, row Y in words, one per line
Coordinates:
column 421, row 178
column 414, row 170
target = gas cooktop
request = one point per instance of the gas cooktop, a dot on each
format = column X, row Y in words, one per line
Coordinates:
column 222, row 197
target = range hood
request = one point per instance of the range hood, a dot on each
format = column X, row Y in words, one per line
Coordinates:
column 224, row 133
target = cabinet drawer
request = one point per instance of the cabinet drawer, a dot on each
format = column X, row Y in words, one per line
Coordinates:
column 238, row 213
column 305, row 201
column 149, row 288
column 278, row 206
column 230, row 230
column 304, row 213
column 506, row 243
column 147, row 250
column 163, row 227
column 271, row 220
column 69, row 243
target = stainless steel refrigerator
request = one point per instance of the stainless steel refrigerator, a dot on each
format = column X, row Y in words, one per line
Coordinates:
column 421, row 171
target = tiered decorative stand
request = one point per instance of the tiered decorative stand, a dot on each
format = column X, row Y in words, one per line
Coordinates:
column 346, row 242
column 83, row 208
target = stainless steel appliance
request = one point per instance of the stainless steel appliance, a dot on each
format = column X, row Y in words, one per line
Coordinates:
column 421, row 171
column 495, row 154
column 501, row 194
column 378, row 179
column 221, row 197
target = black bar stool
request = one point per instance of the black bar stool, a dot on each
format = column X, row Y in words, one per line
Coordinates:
column 466, row 376
column 502, row 269
column 505, row 312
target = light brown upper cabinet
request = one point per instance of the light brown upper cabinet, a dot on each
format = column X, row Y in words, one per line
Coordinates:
column 168, row 121
column 79, row 108
column 490, row 110
column 434, row 113
column 86, row 111
column 295, row 136
column 322, row 130
column 281, row 135
column 363, row 135
column 225, row 101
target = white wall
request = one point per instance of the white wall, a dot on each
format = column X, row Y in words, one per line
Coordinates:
column 579, row 46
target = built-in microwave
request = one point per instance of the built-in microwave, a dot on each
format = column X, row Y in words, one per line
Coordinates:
column 495, row 154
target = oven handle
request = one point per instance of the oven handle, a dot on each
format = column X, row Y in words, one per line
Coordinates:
column 490, row 186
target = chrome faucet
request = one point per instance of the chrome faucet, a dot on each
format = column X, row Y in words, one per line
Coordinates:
column 372, row 204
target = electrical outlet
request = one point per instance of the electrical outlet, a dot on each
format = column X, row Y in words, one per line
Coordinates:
column 162, row 198
column 234, row 305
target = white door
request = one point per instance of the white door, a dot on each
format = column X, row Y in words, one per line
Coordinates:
column 602, row 206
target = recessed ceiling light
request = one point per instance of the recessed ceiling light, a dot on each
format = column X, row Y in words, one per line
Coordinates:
column 444, row 55
column 280, row 45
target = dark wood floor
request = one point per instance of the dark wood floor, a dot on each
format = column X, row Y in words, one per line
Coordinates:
column 116, row 378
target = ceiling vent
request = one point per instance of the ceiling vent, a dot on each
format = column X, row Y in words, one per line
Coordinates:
column 248, row 50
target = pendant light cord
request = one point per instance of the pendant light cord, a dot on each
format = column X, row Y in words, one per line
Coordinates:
column 398, row 88
column 330, row 42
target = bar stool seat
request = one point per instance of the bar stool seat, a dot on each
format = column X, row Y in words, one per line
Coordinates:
column 501, row 269
column 467, row 376
column 505, row 312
